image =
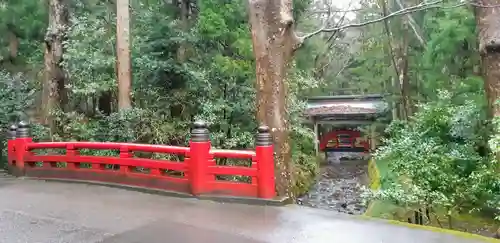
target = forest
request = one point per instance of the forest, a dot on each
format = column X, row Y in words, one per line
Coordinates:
column 143, row 70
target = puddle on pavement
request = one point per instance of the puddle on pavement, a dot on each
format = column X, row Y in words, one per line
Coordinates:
column 338, row 188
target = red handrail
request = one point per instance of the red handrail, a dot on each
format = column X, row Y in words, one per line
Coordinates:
column 110, row 146
column 234, row 154
column 197, row 174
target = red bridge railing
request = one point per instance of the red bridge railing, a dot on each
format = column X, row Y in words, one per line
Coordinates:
column 197, row 174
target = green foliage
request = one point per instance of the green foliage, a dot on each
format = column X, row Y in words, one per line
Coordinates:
column 494, row 145
column 90, row 55
column 434, row 159
column 27, row 21
column 450, row 59
column 214, row 80
column 16, row 97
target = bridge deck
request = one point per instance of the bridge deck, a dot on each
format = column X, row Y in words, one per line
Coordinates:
column 47, row 212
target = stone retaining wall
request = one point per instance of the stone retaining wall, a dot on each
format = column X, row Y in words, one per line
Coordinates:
column 374, row 181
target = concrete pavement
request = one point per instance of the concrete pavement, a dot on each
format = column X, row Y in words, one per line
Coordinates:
column 50, row 212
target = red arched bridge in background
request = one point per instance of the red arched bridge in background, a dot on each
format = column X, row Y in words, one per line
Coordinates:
column 195, row 175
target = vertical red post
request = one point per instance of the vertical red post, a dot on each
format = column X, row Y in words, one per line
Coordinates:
column 264, row 153
column 22, row 139
column 125, row 153
column 255, row 165
column 71, row 152
column 11, row 144
column 199, row 155
column 211, row 162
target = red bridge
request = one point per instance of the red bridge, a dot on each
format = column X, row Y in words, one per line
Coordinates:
column 34, row 211
column 196, row 175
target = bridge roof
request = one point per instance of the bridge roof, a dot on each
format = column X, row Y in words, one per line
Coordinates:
column 346, row 106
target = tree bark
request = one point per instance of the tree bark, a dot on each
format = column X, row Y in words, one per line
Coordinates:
column 488, row 25
column 491, row 74
column 184, row 22
column 274, row 43
column 404, row 78
column 13, row 45
column 54, row 95
column 395, row 84
column 123, row 62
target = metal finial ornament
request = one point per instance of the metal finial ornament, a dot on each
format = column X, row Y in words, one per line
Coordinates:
column 200, row 132
column 264, row 137
column 11, row 133
column 23, row 129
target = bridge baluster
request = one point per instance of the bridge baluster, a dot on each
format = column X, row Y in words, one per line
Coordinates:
column 11, row 138
column 264, row 153
column 22, row 138
column 199, row 154
column 125, row 153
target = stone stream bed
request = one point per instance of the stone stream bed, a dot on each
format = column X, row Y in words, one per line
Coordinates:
column 338, row 188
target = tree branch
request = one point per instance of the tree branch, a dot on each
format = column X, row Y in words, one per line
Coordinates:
column 413, row 25
column 330, row 41
column 389, row 38
column 419, row 7
column 322, row 11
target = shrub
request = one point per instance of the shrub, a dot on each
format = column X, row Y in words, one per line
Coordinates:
column 435, row 161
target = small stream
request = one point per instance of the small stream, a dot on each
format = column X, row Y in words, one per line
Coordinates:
column 339, row 188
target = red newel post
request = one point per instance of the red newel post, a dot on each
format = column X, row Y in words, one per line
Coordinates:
column 23, row 137
column 264, row 153
column 11, row 140
column 199, row 154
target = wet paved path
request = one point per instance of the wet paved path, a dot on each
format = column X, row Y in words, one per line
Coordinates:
column 50, row 212
column 338, row 188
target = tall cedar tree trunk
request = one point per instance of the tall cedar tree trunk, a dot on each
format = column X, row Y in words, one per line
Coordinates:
column 394, row 84
column 184, row 18
column 54, row 93
column 404, row 78
column 123, row 62
column 274, row 42
column 183, row 14
column 488, row 25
